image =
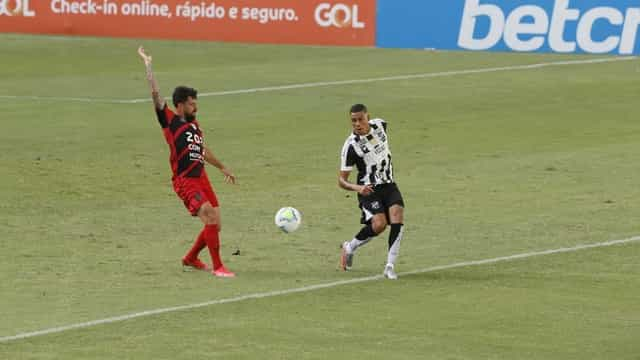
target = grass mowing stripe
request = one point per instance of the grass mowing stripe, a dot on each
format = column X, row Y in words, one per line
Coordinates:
column 309, row 288
column 334, row 83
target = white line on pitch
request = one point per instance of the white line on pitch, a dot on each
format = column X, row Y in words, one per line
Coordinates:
column 307, row 288
column 335, row 83
column 68, row 99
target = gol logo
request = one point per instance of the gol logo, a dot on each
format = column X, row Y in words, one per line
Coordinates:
column 16, row 8
column 338, row 15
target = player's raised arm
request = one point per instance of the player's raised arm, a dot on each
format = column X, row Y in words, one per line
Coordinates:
column 158, row 101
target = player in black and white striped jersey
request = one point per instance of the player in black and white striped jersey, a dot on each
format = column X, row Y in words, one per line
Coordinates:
column 367, row 149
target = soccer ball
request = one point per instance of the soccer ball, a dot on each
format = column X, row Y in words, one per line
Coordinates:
column 288, row 219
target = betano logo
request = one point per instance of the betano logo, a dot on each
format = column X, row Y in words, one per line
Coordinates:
column 529, row 27
column 16, row 8
column 338, row 15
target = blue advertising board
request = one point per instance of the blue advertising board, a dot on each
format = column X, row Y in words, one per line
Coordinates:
column 560, row 26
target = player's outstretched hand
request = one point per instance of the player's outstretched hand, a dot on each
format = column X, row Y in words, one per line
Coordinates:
column 229, row 178
column 146, row 58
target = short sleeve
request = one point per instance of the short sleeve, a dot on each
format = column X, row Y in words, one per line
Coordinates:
column 380, row 122
column 164, row 116
column 348, row 158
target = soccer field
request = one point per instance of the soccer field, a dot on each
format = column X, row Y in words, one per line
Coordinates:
column 495, row 159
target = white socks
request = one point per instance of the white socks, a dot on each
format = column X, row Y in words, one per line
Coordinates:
column 355, row 243
column 394, row 250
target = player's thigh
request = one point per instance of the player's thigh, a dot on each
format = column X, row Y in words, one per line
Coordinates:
column 213, row 208
column 208, row 191
column 371, row 206
column 373, row 211
column 395, row 204
column 192, row 194
column 379, row 222
column 396, row 214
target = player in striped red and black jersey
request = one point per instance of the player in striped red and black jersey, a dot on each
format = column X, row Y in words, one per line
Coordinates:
column 188, row 154
column 183, row 136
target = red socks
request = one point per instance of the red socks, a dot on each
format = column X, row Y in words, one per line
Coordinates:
column 210, row 237
column 198, row 245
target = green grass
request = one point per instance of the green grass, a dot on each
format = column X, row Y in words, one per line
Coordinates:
column 489, row 164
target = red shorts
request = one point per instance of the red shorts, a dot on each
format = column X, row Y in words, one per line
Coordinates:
column 194, row 192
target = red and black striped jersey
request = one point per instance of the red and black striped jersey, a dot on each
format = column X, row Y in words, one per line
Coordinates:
column 185, row 142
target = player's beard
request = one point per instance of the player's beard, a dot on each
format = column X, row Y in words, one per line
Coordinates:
column 190, row 117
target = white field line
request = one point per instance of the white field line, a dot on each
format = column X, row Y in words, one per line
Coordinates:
column 335, row 83
column 306, row 289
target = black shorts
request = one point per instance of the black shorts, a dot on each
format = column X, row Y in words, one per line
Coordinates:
column 379, row 201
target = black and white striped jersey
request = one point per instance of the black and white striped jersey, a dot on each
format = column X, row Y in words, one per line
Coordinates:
column 370, row 154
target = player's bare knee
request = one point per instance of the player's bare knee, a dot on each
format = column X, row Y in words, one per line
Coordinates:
column 209, row 215
column 396, row 214
column 209, row 218
column 378, row 226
